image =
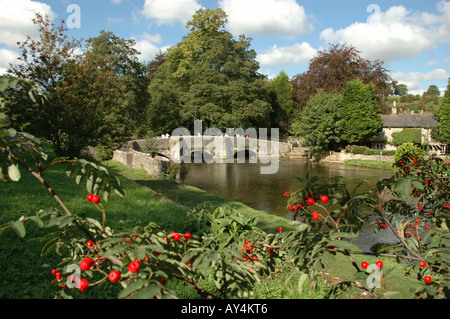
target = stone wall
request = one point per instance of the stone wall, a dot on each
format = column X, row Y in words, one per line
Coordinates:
column 134, row 159
column 344, row 156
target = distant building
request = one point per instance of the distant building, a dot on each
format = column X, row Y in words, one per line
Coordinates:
column 396, row 122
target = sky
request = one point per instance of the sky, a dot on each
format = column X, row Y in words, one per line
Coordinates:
column 412, row 37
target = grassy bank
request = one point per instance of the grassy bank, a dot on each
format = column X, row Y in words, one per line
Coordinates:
column 369, row 164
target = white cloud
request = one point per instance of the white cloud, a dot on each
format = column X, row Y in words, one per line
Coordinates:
column 112, row 21
column 386, row 36
column 15, row 19
column 170, row 11
column 266, row 17
column 431, row 63
column 116, row 1
column 439, row 30
column 147, row 45
column 414, row 79
column 288, row 55
column 6, row 57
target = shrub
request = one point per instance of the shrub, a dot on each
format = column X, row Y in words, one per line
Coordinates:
column 364, row 150
column 407, row 135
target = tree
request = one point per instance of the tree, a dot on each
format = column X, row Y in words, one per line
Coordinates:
column 399, row 89
column 153, row 66
column 209, row 76
column 433, row 91
column 84, row 106
column 124, row 63
column 282, row 101
column 332, row 69
column 444, row 117
column 320, row 124
column 360, row 113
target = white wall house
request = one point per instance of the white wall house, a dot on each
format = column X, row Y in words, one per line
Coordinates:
column 396, row 122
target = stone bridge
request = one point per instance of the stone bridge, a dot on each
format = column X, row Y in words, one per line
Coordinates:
column 155, row 155
column 219, row 149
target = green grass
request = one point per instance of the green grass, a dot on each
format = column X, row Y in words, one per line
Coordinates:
column 369, row 164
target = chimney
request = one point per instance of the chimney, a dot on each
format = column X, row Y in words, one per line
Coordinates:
column 394, row 108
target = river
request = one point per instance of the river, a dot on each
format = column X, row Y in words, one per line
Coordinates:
column 243, row 182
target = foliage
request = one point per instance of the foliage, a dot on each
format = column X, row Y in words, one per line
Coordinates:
column 407, row 135
column 407, row 154
column 364, row 150
column 332, row 69
column 320, row 124
column 84, row 106
column 360, row 113
column 209, row 76
column 444, row 117
column 433, row 91
column 399, row 89
column 123, row 62
column 283, row 101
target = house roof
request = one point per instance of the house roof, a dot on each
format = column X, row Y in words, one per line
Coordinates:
column 409, row 120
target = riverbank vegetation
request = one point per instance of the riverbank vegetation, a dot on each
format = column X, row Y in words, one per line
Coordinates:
column 75, row 227
column 150, row 201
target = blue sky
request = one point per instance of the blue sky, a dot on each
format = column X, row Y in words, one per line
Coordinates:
column 411, row 36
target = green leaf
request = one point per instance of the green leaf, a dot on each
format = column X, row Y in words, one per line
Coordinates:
column 14, row 172
column 147, row 292
column 132, row 287
column 18, row 227
column 301, row 282
column 115, row 250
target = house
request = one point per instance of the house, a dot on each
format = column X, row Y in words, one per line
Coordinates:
column 396, row 122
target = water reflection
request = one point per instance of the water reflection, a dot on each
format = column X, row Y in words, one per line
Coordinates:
column 243, row 182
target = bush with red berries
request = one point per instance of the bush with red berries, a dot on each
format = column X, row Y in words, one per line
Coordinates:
column 413, row 204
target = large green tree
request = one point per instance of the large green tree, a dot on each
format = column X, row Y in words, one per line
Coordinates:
column 320, row 123
column 209, row 76
column 360, row 113
column 282, row 101
column 84, row 106
column 444, row 117
column 123, row 60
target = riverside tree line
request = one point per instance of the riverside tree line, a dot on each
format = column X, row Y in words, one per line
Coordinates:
column 105, row 95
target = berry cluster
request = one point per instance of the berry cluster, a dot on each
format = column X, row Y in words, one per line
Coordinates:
column 309, row 199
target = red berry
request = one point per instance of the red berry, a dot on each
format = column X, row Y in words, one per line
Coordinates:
column 324, row 199
column 114, row 276
column 89, row 197
column 163, row 281
column 53, row 271
column 83, row 284
column 427, row 227
column 280, row 229
column 89, row 243
column 417, row 221
column 310, row 201
column 86, row 264
column 95, row 199
column 379, row 264
column 177, row 237
column 427, row 279
column 423, row 264
column 315, row 215
column 364, row 264
column 134, row 267
column 187, row 236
